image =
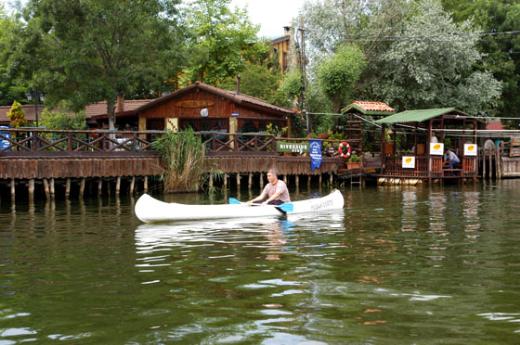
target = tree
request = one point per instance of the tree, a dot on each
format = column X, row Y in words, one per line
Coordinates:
column 63, row 120
column 339, row 74
column 94, row 50
column 11, row 87
column 436, row 65
column 221, row 41
column 16, row 115
column 500, row 47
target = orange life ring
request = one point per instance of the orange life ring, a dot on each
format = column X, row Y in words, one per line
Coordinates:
column 344, row 150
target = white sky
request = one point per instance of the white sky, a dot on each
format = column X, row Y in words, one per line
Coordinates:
column 272, row 15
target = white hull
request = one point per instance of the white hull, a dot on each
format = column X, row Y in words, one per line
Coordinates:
column 150, row 210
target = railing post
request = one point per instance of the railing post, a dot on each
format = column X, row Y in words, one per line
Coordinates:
column 69, row 141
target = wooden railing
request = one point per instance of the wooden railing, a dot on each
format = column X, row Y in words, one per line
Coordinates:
column 429, row 167
column 38, row 141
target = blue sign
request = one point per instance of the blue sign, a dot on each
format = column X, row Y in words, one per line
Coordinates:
column 315, row 153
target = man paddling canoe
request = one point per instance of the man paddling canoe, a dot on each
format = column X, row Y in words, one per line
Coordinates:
column 275, row 192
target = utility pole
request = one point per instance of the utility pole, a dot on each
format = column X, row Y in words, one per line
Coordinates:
column 303, row 63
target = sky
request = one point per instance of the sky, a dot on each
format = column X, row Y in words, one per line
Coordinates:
column 271, row 15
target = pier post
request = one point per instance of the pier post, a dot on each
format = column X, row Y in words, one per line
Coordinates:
column 67, row 188
column 297, row 182
column 285, row 179
column 13, row 190
column 82, row 188
column 31, row 190
column 225, row 181
column 238, row 181
column 210, row 182
column 46, row 189
column 309, row 178
column 250, row 181
column 320, row 179
column 261, row 180
column 331, row 179
column 100, row 186
column 118, row 185
column 52, row 188
column 146, row 184
column 132, row 185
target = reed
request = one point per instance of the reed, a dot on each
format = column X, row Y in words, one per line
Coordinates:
column 182, row 154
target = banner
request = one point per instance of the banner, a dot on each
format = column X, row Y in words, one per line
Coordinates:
column 408, row 162
column 470, row 150
column 315, row 153
column 436, row 149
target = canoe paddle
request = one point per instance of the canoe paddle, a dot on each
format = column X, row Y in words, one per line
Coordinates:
column 287, row 207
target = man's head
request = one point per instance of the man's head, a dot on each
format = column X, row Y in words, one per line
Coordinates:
column 272, row 175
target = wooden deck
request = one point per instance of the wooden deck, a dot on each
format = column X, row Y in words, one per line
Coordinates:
column 42, row 154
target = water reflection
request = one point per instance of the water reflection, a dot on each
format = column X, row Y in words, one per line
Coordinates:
column 470, row 213
column 409, row 209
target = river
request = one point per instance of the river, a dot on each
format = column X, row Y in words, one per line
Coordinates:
column 404, row 265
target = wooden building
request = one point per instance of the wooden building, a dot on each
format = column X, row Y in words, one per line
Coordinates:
column 414, row 144
column 355, row 123
column 31, row 112
column 199, row 106
column 281, row 47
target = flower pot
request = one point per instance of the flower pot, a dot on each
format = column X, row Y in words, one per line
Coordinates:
column 353, row 165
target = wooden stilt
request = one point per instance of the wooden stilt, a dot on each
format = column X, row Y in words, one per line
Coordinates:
column 67, row 188
column 52, row 188
column 297, row 182
column 250, row 181
column 261, row 180
column 31, row 190
column 320, row 179
column 225, row 181
column 210, row 182
column 285, row 179
column 331, row 179
column 118, row 185
column 46, row 189
column 146, row 184
column 13, row 190
column 309, row 179
column 100, row 187
column 82, row 188
column 132, row 185
column 238, row 181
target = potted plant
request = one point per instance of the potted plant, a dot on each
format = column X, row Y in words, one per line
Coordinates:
column 354, row 162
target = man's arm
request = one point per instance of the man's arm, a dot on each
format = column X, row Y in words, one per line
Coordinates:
column 258, row 198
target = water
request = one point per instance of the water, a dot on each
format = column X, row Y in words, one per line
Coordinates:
column 398, row 266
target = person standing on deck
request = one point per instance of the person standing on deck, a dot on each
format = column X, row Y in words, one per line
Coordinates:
column 275, row 192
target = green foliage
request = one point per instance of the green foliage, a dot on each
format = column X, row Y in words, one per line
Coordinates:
column 501, row 52
column 221, row 41
column 256, row 80
column 339, row 73
column 61, row 120
column 438, row 68
column 354, row 158
column 16, row 115
column 93, row 50
column 182, row 154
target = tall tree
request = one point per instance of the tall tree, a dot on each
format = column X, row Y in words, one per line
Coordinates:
column 339, row 74
column 221, row 41
column 500, row 44
column 92, row 50
column 11, row 85
column 434, row 64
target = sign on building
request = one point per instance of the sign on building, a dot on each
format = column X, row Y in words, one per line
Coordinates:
column 292, row 147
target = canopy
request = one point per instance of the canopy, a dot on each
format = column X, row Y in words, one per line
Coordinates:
column 418, row 115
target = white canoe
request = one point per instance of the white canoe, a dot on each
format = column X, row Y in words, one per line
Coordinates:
column 150, row 210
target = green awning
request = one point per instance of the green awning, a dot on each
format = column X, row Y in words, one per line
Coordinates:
column 418, row 115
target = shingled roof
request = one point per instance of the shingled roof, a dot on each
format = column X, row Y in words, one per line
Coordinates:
column 238, row 98
column 28, row 109
column 129, row 106
column 370, row 108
